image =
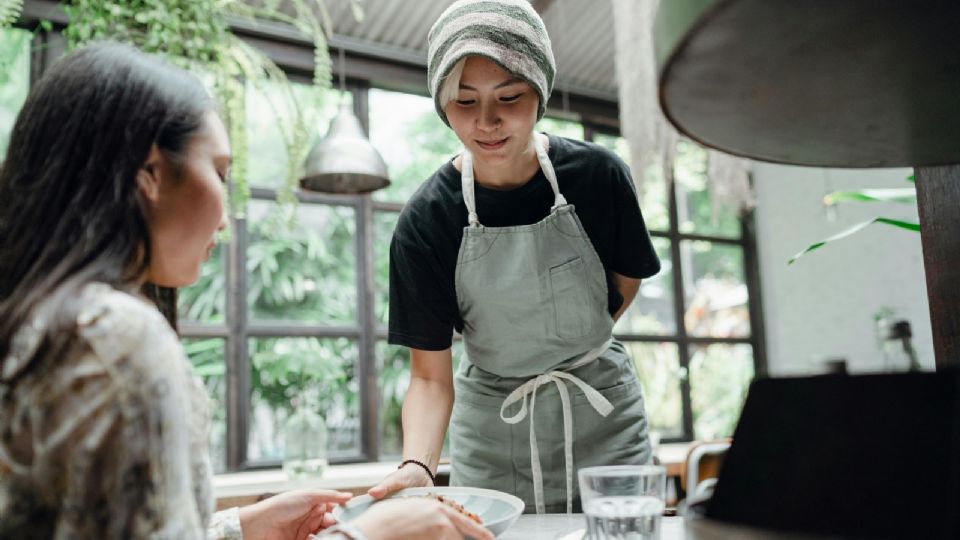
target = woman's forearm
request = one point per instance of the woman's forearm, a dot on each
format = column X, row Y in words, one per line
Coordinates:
column 627, row 287
column 427, row 406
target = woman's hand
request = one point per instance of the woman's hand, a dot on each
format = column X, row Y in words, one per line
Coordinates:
column 290, row 516
column 410, row 475
column 426, row 414
column 417, row 518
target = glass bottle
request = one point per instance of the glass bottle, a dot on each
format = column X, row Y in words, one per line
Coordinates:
column 898, row 351
column 305, row 441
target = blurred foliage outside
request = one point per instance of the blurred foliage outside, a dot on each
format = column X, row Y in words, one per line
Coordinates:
column 307, row 275
column 720, row 375
column 658, row 367
column 412, row 140
column 696, row 210
column 652, row 310
column 14, row 80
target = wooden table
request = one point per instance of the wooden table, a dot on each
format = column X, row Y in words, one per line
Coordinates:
column 565, row 527
column 555, row 526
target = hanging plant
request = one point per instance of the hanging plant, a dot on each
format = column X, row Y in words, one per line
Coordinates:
column 898, row 195
column 10, row 12
column 196, row 35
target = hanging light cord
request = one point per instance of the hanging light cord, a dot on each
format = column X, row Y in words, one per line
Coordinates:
column 342, row 66
column 562, row 15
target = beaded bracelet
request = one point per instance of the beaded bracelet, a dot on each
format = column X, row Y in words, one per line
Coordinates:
column 433, row 479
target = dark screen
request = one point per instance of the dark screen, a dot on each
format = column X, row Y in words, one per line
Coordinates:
column 870, row 456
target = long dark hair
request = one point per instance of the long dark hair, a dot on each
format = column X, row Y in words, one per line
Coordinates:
column 70, row 209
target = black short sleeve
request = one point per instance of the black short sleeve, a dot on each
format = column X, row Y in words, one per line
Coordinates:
column 633, row 253
column 423, row 256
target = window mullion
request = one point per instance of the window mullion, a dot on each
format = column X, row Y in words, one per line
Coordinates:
column 366, row 369
column 236, row 348
column 751, row 266
column 683, row 343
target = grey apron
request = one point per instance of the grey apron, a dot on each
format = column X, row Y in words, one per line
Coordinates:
column 533, row 299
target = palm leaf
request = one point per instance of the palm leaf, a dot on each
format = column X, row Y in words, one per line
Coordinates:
column 904, row 195
column 10, row 12
column 856, row 228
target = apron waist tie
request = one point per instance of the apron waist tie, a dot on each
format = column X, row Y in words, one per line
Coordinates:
column 529, row 388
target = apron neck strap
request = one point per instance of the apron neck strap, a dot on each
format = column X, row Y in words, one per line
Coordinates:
column 467, row 180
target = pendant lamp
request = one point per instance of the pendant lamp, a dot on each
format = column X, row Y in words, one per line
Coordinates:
column 344, row 161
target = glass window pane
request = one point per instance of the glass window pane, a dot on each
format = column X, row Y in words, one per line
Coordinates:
column 383, row 225
column 14, row 80
column 315, row 370
column 207, row 357
column 204, row 300
column 716, row 290
column 658, row 366
column 304, row 274
column 652, row 310
column 695, row 207
column 559, row 127
column 394, row 379
column 270, row 114
column 411, row 138
column 653, row 201
column 719, row 377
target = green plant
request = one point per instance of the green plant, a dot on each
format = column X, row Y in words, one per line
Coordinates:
column 286, row 272
column 14, row 79
column 899, row 195
column 196, row 34
column 10, row 12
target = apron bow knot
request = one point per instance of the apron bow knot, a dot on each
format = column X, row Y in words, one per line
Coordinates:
column 529, row 389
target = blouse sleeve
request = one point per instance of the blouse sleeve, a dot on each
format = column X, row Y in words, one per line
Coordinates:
column 149, row 478
column 225, row 525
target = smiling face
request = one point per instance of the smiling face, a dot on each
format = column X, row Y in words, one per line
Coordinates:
column 184, row 204
column 493, row 114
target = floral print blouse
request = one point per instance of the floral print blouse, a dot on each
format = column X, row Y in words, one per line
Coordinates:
column 110, row 439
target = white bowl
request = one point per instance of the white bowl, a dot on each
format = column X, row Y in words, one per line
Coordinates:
column 496, row 509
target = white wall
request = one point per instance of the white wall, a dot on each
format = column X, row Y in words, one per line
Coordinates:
column 823, row 305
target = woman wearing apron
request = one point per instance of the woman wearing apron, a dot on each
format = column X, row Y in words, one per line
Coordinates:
column 530, row 246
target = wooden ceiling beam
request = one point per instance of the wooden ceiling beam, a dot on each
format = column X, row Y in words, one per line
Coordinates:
column 541, row 5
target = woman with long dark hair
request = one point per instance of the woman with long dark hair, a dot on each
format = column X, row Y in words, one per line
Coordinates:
column 113, row 184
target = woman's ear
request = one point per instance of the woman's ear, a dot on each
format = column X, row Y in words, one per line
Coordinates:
column 148, row 177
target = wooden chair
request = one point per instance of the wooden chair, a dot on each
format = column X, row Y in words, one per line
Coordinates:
column 701, row 467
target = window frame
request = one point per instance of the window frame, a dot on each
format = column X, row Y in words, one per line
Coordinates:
column 685, row 342
column 293, row 53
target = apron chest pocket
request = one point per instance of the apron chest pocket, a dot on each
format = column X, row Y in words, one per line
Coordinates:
column 568, row 283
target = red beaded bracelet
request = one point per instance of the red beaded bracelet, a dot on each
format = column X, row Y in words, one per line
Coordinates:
column 433, row 479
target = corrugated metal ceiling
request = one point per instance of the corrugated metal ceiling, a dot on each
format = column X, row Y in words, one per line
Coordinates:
column 581, row 31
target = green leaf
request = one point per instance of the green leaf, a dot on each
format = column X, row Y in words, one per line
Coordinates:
column 210, row 370
column 856, row 228
column 904, row 195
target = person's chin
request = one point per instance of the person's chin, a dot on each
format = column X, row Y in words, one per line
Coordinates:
column 184, row 279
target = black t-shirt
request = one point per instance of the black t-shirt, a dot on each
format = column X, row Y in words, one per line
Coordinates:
column 426, row 241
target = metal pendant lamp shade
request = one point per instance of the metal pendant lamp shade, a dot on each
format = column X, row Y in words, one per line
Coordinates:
column 344, row 161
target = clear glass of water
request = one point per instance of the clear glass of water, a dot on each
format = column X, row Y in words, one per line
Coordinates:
column 623, row 502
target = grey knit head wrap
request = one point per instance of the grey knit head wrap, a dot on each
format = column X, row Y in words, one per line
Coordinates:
column 508, row 32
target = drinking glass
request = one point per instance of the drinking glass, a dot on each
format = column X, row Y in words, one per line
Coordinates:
column 623, row 502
